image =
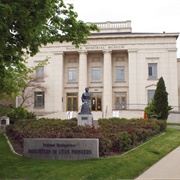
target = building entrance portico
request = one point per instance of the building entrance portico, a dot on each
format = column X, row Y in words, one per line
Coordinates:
column 103, row 71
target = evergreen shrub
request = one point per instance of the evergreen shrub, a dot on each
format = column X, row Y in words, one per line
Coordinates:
column 159, row 106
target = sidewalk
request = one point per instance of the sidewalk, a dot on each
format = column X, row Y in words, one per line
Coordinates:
column 168, row 168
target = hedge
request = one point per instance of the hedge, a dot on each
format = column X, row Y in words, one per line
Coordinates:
column 115, row 135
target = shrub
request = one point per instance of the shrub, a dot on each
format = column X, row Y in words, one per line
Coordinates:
column 115, row 135
column 121, row 141
column 105, row 145
column 142, row 134
column 150, row 110
column 162, row 125
column 20, row 113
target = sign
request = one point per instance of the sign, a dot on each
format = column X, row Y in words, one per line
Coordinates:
column 61, row 148
column 116, row 114
column 95, row 47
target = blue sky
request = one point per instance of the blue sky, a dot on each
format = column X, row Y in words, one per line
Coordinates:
column 145, row 15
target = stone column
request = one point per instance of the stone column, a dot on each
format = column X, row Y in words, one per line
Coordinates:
column 133, row 84
column 82, row 74
column 59, row 81
column 172, row 86
column 107, row 83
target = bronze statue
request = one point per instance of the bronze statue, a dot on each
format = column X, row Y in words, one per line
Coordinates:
column 86, row 98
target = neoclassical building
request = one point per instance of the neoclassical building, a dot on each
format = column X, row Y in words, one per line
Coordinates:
column 121, row 69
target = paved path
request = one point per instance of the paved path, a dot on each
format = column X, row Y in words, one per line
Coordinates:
column 168, row 168
column 173, row 126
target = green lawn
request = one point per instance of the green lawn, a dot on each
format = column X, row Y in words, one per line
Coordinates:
column 126, row 166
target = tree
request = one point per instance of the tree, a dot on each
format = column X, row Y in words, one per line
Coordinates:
column 159, row 105
column 26, row 82
column 30, row 83
column 26, row 25
column 161, row 100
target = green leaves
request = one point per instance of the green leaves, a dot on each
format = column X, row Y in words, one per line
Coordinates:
column 159, row 105
column 26, row 25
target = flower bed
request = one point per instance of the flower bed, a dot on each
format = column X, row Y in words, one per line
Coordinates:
column 115, row 135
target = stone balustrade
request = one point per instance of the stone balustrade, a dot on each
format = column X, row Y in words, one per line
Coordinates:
column 118, row 26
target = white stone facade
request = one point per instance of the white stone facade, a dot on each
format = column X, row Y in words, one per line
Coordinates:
column 116, row 65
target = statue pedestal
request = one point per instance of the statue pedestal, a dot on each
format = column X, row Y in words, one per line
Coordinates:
column 85, row 119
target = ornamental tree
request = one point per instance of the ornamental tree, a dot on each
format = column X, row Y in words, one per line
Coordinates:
column 25, row 82
column 26, row 25
column 159, row 105
column 161, row 100
column 30, row 82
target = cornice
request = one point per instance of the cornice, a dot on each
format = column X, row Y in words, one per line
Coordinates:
column 131, row 35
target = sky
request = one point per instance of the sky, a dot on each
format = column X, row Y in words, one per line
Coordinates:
column 154, row 16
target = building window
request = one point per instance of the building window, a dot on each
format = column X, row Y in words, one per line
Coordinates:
column 152, row 70
column 72, row 102
column 72, row 74
column 120, row 101
column 150, row 95
column 39, row 99
column 120, row 73
column 96, row 74
column 40, row 74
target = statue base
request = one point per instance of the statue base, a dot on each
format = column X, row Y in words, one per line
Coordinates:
column 85, row 119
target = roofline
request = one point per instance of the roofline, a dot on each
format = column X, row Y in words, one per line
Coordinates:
column 130, row 34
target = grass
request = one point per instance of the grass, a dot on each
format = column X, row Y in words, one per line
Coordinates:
column 177, row 124
column 125, row 166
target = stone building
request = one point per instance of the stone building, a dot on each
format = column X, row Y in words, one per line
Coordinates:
column 120, row 67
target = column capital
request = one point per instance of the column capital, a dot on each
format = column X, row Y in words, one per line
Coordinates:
column 107, row 51
column 132, row 50
column 59, row 53
column 82, row 52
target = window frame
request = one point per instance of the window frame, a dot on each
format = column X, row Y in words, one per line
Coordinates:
column 96, row 101
column 38, row 104
column 39, row 73
column 72, row 74
column 96, row 77
column 120, row 76
column 150, row 97
column 122, row 100
column 152, row 70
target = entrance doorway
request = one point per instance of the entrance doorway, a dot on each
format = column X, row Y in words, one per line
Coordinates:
column 96, row 102
column 72, row 102
column 120, row 100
